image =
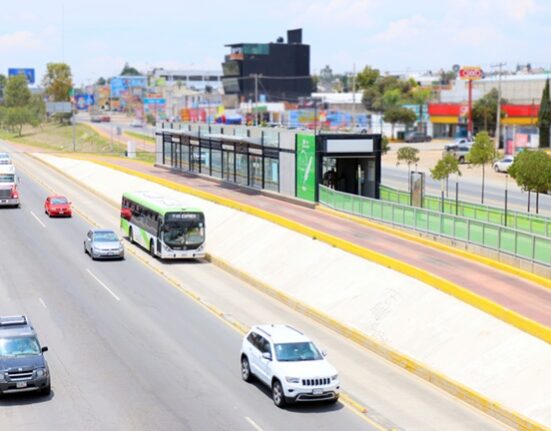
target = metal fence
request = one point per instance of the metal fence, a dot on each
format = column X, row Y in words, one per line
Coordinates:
column 524, row 245
column 517, row 220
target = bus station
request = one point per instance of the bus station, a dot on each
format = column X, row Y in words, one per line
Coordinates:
column 285, row 162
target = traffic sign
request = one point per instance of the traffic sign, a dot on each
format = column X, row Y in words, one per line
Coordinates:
column 470, row 73
column 28, row 72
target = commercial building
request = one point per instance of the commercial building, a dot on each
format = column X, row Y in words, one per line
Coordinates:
column 276, row 160
column 198, row 80
column 272, row 72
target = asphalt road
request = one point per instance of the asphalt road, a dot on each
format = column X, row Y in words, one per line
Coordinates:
column 155, row 359
column 470, row 191
column 127, row 350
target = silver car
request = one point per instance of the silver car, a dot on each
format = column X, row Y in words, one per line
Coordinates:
column 103, row 244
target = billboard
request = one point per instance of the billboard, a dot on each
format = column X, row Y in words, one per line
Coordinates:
column 121, row 84
column 84, row 101
column 154, row 106
column 306, row 167
column 28, row 72
column 470, row 73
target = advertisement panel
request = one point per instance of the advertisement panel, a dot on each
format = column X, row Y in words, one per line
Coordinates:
column 84, row 101
column 470, row 73
column 121, row 84
column 28, row 72
column 155, row 106
column 306, row 167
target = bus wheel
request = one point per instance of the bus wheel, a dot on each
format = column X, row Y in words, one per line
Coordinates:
column 130, row 235
column 152, row 248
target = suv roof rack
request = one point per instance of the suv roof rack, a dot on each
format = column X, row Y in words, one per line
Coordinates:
column 13, row 321
column 294, row 329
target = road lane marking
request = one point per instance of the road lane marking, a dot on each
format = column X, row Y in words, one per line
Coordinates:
column 38, row 220
column 253, row 424
column 42, row 302
column 102, row 284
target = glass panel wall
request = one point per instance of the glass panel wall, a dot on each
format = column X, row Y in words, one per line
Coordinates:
column 185, row 157
column 241, row 169
column 229, row 172
column 255, row 168
column 216, row 163
column 271, row 174
column 205, row 161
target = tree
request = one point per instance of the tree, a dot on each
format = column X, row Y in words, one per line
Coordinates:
column 532, row 172
column 409, row 155
column 485, row 111
column 420, row 96
column 482, row 152
column 58, row 81
column 445, row 167
column 129, row 70
column 3, row 81
column 544, row 117
column 101, row 81
column 367, row 78
column 17, row 93
column 399, row 114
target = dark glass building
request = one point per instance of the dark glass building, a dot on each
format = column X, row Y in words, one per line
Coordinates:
column 275, row 72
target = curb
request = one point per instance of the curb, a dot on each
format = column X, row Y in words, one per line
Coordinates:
column 529, row 326
column 473, row 398
column 534, row 278
column 456, row 389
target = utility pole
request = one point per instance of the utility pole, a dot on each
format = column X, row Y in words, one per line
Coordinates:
column 255, row 109
column 498, row 119
column 354, row 94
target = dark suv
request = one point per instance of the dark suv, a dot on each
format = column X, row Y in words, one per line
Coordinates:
column 418, row 137
column 22, row 364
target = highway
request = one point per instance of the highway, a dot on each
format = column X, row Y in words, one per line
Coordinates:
column 130, row 350
column 470, row 190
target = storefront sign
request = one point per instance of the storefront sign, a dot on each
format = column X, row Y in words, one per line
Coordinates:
column 306, row 167
column 470, row 73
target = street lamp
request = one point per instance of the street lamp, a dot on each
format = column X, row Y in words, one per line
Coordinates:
column 457, row 194
column 506, row 191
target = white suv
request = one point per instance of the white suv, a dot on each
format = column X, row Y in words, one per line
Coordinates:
column 287, row 361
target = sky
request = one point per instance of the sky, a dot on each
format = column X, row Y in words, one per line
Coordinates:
column 97, row 37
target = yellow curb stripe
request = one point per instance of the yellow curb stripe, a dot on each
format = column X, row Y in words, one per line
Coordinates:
column 527, row 325
column 534, row 278
column 473, row 398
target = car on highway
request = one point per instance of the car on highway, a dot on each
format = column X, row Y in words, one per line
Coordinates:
column 9, row 194
column 105, row 118
column 417, row 137
column 504, row 164
column 457, row 142
column 289, row 363
column 95, row 119
column 23, row 367
column 5, row 159
column 136, row 123
column 103, row 244
column 459, row 151
column 57, row 206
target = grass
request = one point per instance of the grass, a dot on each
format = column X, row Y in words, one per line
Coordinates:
column 55, row 137
column 141, row 136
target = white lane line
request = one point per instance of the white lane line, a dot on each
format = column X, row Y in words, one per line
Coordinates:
column 102, row 284
column 38, row 220
column 253, row 424
column 42, row 302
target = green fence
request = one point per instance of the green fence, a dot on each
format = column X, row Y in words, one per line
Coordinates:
column 515, row 219
column 532, row 247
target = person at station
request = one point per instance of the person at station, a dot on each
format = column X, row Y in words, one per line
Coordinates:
column 330, row 178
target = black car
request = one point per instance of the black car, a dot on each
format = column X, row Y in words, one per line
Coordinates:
column 418, row 137
column 23, row 367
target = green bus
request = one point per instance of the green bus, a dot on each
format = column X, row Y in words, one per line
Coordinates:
column 163, row 225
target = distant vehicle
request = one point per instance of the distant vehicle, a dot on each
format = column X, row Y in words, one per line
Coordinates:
column 95, row 119
column 289, row 363
column 103, row 244
column 460, row 152
column 504, row 164
column 23, row 367
column 105, row 118
column 9, row 195
column 459, row 141
column 136, row 123
column 167, row 228
column 418, row 137
column 5, row 159
column 57, row 206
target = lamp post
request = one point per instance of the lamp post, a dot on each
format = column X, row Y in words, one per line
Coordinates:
column 456, row 194
column 506, row 192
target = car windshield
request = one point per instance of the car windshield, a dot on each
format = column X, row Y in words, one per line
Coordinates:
column 105, row 236
column 59, row 201
column 7, row 178
column 19, row 346
column 304, row 351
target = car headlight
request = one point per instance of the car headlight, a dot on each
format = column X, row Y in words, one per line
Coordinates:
column 335, row 377
column 2, row 377
column 292, row 379
column 40, row 372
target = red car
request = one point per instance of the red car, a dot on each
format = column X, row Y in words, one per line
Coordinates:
column 57, row 206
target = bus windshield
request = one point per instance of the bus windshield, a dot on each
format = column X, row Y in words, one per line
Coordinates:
column 182, row 229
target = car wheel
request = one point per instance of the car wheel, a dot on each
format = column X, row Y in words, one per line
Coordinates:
column 277, row 394
column 461, row 160
column 246, row 369
column 334, row 400
column 85, row 250
column 46, row 391
column 152, row 248
column 496, row 168
column 130, row 235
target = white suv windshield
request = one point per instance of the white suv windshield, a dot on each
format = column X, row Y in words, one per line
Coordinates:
column 7, row 178
column 304, row 351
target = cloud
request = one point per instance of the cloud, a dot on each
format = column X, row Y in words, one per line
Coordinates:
column 333, row 12
column 403, row 30
column 19, row 41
